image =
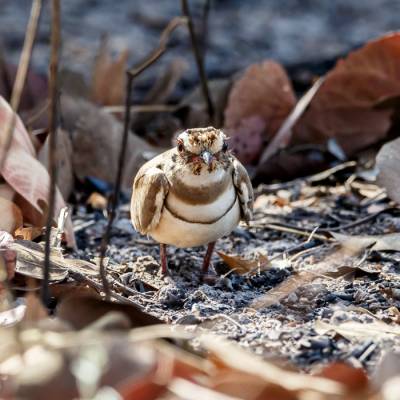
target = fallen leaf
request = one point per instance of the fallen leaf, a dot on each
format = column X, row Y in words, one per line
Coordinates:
column 283, row 136
column 257, row 106
column 344, row 106
column 81, row 311
column 109, row 78
column 241, row 266
column 27, row 176
column 354, row 379
column 30, row 260
column 96, row 141
column 387, row 242
column 353, row 330
column 12, row 316
column 65, row 173
column 11, row 216
column 29, row 233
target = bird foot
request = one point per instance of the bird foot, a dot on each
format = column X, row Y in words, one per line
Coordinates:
column 207, row 278
column 166, row 276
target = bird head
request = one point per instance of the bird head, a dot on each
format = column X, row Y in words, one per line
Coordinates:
column 203, row 146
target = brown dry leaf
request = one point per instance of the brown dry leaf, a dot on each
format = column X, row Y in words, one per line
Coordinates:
column 27, row 176
column 60, row 290
column 257, row 106
column 10, row 216
column 29, row 233
column 232, row 356
column 354, row 379
column 349, row 243
column 97, row 201
column 109, row 79
column 81, row 311
column 30, row 260
column 241, row 266
column 35, row 309
column 353, row 330
column 65, row 173
column 96, row 141
column 343, row 107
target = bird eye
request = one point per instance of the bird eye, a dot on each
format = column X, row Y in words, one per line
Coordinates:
column 225, row 147
column 180, row 148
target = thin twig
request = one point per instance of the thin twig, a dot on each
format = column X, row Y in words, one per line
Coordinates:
column 199, row 62
column 7, row 84
column 132, row 73
column 84, row 279
column 147, row 108
column 21, row 75
column 290, row 230
column 204, row 19
column 53, row 126
column 284, row 252
column 39, row 114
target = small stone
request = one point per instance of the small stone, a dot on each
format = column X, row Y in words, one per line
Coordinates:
column 396, row 294
column 171, row 295
column 292, row 298
column 361, row 296
column 146, row 264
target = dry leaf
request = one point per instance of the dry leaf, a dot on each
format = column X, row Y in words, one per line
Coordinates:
column 257, row 106
column 81, row 311
column 109, row 79
column 65, row 173
column 352, row 330
column 241, row 266
column 10, row 216
column 30, row 260
column 390, row 241
column 96, row 140
column 354, row 379
column 343, row 107
column 12, row 316
column 283, row 136
column 29, row 233
column 27, row 176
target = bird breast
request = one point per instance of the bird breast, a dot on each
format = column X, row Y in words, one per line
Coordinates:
column 198, row 209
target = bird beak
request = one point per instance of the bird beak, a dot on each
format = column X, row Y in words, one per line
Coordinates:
column 206, row 156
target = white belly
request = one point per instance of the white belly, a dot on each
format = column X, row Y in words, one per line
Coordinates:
column 177, row 232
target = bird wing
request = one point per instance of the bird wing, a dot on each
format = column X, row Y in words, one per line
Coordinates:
column 244, row 189
column 149, row 191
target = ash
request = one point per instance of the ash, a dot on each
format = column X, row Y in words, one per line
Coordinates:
column 284, row 330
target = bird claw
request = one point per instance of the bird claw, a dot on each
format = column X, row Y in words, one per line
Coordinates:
column 208, row 279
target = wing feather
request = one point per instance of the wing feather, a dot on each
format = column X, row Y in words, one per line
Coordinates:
column 244, row 189
column 149, row 192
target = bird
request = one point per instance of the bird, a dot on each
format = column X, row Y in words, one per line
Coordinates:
column 192, row 195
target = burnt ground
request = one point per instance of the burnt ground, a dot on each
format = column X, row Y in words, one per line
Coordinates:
column 285, row 329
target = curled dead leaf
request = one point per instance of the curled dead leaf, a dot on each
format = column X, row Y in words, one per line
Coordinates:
column 241, row 266
column 344, row 106
column 257, row 106
column 11, row 216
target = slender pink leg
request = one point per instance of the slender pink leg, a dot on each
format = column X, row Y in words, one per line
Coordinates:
column 207, row 259
column 163, row 255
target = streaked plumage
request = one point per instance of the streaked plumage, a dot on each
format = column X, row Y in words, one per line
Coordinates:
column 192, row 197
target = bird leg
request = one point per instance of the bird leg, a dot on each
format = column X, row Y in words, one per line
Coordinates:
column 207, row 259
column 165, row 272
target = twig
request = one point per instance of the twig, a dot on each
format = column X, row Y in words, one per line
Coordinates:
column 132, row 73
column 84, row 279
column 21, row 75
column 53, row 125
column 199, row 62
column 229, row 319
column 284, row 252
column 39, row 114
column 290, row 230
column 5, row 75
column 204, row 19
column 149, row 108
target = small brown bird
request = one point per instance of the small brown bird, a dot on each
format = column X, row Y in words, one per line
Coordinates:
column 192, row 194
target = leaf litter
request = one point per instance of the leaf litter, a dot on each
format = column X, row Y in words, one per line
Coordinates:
column 280, row 307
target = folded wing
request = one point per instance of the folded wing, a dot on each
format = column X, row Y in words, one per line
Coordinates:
column 149, row 192
column 244, row 189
